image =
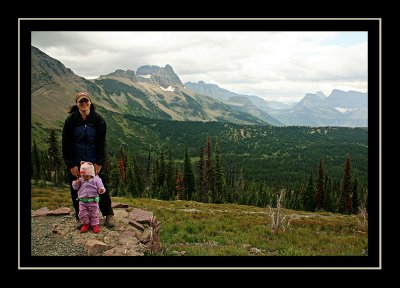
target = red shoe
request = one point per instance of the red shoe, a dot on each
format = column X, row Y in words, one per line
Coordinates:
column 96, row 228
column 85, row 228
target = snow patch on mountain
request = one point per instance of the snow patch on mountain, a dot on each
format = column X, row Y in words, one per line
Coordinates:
column 169, row 88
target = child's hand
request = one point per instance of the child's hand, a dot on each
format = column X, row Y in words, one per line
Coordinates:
column 77, row 181
column 102, row 190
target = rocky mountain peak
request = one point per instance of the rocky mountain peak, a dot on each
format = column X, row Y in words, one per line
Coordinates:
column 161, row 76
column 41, row 62
column 119, row 73
column 147, row 70
column 349, row 99
column 320, row 94
column 312, row 97
column 169, row 68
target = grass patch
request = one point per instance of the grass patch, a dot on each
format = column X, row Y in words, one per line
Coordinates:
column 190, row 228
column 50, row 197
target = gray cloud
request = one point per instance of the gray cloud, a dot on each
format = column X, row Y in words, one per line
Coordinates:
column 273, row 65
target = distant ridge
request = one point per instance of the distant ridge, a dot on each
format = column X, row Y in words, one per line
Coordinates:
column 340, row 108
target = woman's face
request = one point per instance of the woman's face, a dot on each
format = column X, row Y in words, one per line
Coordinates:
column 84, row 104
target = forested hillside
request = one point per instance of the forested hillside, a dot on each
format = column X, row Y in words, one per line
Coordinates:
column 255, row 161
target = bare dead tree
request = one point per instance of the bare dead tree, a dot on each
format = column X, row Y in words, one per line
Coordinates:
column 363, row 215
column 278, row 217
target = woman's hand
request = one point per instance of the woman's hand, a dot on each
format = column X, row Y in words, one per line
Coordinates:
column 75, row 172
column 97, row 169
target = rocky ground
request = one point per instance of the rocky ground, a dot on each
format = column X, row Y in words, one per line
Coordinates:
column 45, row 242
column 58, row 236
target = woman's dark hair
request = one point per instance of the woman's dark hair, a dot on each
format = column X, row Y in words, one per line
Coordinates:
column 75, row 108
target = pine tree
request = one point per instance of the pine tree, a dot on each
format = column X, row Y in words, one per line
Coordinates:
column 202, row 191
column 55, row 162
column 239, row 188
column 114, row 178
column 188, row 177
column 161, row 170
column 106, row 170
column 288, row 198
column 148, row 163
column 230, row 179
column 355, row 197
column 137, row 169
column 36, row 162
column 162, row 179
column 220, row 186
column 154, row 192
column 131, row 185
column 178, row 185
column 297, row 201
column 320, row 193
column 148, row 177
column 170, row 177
column 46, row 171
column 209, row 181
column 308, row 198
column 261, row 196
column 122, row 164
column 344, row 201
column 328, row 199
column 252, row 195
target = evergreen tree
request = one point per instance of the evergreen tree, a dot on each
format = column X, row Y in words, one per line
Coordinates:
column 328, row 199
column 106, row 171
column 148, row 163
column 170, row 177
column 344, row 201
column 252, row 194
column 148, row 177
column 36, row 162
column 154, row 192
column 230, row 181
column 161, row 170
column 288, row 198
column 202, row 191
column 209, row 181
column 46, row 171
column 137, row 169
column 308, row 198
column 220, row 186
column 55, row 162
column 239, row 188
column 114, row 178
column 320, row 193
column 297, row 201
column 178, row 185
column 188, row 177
column 355, row 197
column 122, row 164
column 268, row 195
column 131, row 186
column 261, row 196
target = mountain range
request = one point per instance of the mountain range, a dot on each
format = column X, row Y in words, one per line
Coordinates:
column 340, row 108
column 150, row 109
column 158, row 93
column 152, row 91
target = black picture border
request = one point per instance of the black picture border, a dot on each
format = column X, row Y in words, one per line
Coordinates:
column 372, row 261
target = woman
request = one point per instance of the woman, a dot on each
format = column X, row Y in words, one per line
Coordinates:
column 84, row 139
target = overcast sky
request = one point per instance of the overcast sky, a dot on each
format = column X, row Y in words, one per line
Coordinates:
column 281, row 66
